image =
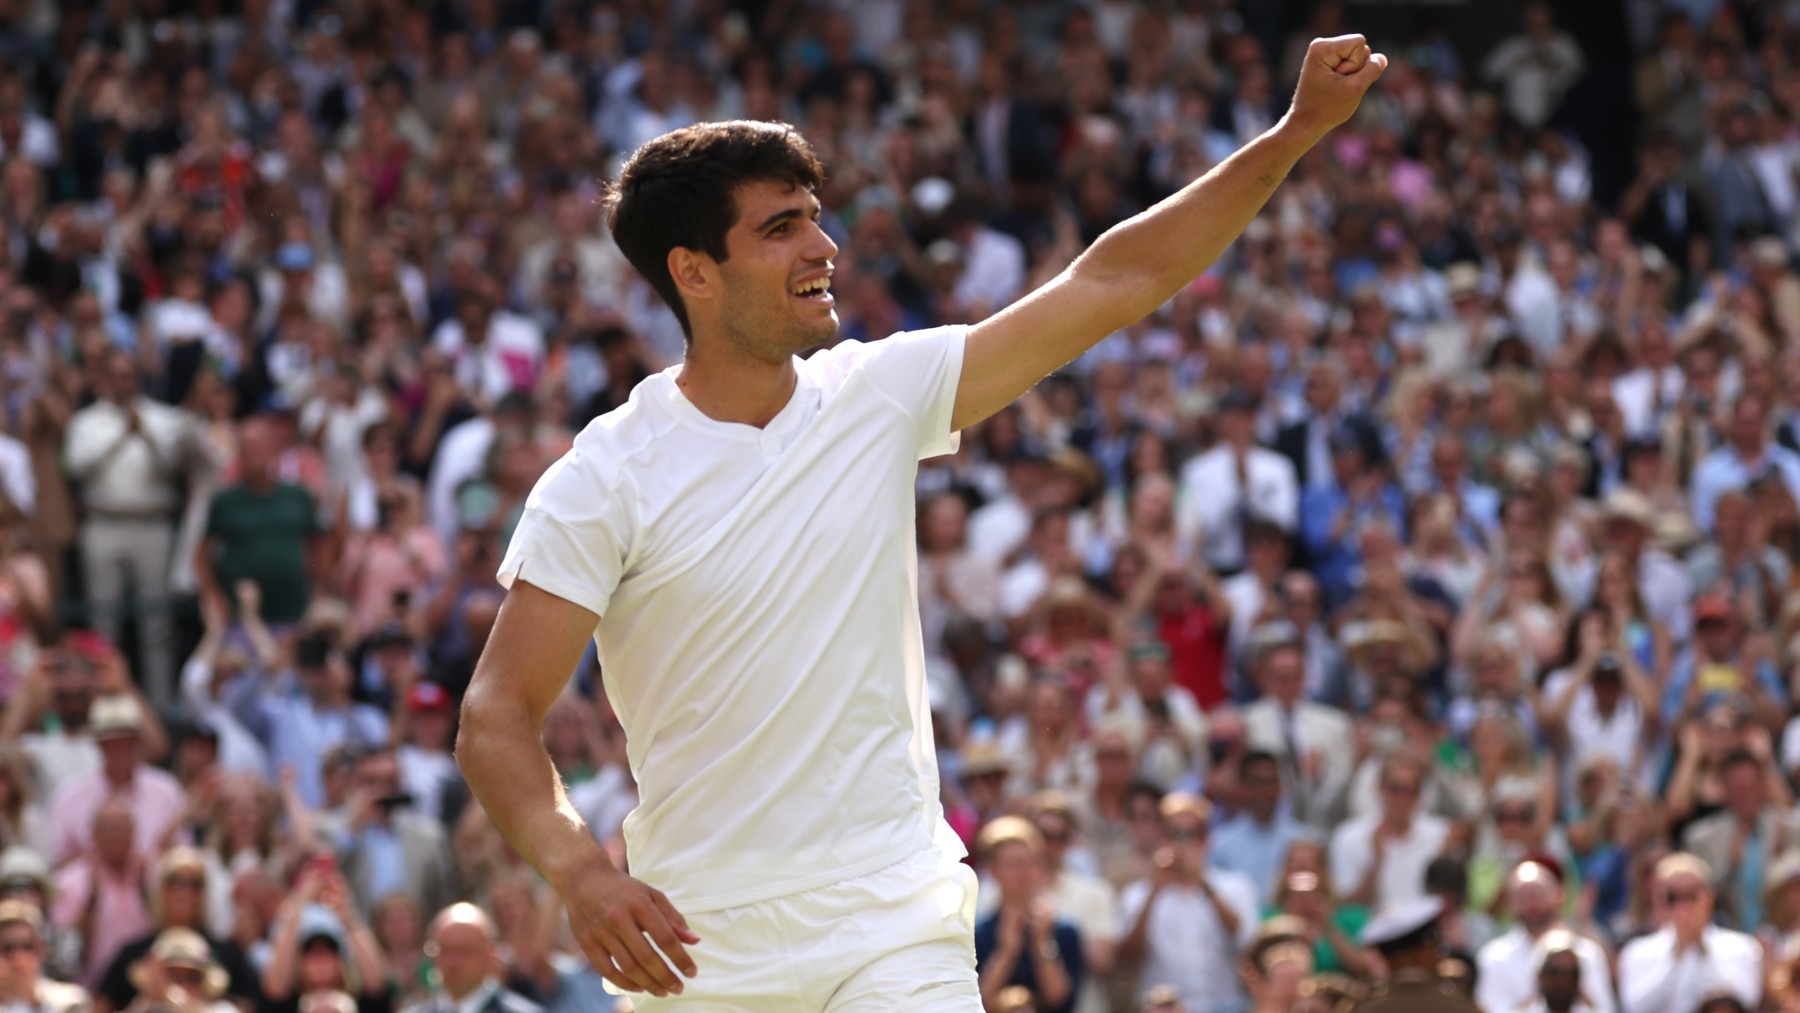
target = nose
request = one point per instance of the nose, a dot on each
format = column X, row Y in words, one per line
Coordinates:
column 821, row 246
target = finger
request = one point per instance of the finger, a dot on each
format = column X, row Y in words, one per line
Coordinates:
column 1339, row 48
column 1372, row 70
column 650, row 965
column 662, row 932
column 675, row 920
column 616, row 954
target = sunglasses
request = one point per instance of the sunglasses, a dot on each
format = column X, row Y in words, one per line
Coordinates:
column 17, row 946
column 191, row 882
column 1187, row 834
column 1682, row 896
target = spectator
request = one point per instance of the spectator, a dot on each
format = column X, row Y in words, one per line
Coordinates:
column 1313, row 741
column 301, row 725
column 101, row 893
column 155, row 797
column 1080, row 898
column 1187, row 922
column 1740, row 841
column 1275, row 968
column 1255, row 840
column 1534, row 891
column 384, row 847
column 23, row 947
column 261, row 530
column 1023, row 942
column 306, row 955
column 1689, row 957
column 1241, row 482
column 1379, row 860
column 462, row 946
column 130, row 455
column 181, row 905
column 1561, row 978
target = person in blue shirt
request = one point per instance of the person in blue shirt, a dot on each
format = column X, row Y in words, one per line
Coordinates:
column 1023, row 942
column 1333, row 515
column 1254, row 840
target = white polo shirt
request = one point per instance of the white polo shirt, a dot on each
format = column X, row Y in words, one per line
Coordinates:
column 760, row 634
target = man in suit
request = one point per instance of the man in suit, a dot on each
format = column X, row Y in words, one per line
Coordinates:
column 461, row 944
column 1313, row 741
column 1739, row 841
column 1306, row 442
column 385, row 847
column 1666, row 209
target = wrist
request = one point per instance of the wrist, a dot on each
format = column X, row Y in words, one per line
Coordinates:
column 1295, row 127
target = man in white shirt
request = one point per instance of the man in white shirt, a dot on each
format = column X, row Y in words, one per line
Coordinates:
column 128, row 453
column 1689, row 958
column 739, row 539
column 1236, row 482
column 1380, row 859
column 1188, row 922
column 1509, row 965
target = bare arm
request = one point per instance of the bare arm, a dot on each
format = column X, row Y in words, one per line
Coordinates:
column 1142, row 262
column 538, row 638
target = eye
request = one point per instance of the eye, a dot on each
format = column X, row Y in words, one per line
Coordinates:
column 779, row 230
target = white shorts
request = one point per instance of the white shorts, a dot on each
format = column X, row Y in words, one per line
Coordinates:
column 901, row 938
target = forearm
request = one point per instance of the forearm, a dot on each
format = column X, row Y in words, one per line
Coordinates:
column 1054, row 983
column 278, row 977
column 1143, row 261
column 1132, row 947
column 502, row 757
column 997, row 975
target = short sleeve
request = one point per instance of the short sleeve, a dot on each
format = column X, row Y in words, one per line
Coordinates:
column 920, row 371
column 573, row 535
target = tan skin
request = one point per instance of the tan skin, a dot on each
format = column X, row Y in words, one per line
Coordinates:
column 746, row 328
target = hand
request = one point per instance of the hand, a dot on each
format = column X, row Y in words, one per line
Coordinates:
column 1756, row 740
column 1334, row 78
column 214, row 611
column 611, row 914
column 1043, row 923
column 1690, row 739
column 1009, row 934
column 249, row 598
column 1168, row 867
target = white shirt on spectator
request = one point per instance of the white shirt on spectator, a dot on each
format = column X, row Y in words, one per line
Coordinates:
column 16, row 478
column 1620, row 736
column 1402, row 876
column 240, row 752
column 339, row 429
column 327, row 296
column 1508, row 972
column 508, row 360
column 760, row 640
column 993, row 270
column 1652, row 979
column 1216, row 505
column 135, row 479
column 461, row 455
column 1637, row 396
column 1188, row 946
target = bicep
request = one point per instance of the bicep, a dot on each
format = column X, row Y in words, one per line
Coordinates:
column 537, row 641
column 1008, row 353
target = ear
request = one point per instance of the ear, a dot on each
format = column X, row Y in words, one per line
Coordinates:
column 694, row 273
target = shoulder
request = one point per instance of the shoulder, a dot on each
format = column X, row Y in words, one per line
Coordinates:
column 60, row 995
column 513, row 1002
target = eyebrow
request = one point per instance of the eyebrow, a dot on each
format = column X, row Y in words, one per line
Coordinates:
column 787, row 214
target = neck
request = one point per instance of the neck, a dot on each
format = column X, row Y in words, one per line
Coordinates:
column 735, row 387
column 465, row 993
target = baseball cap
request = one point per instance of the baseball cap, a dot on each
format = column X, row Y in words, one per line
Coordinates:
column 427, row 696
column 113, row 716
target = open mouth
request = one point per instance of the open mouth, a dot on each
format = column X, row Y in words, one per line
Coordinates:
column 816, row 291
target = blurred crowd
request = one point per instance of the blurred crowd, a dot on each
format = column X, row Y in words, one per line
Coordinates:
column 1439, row 543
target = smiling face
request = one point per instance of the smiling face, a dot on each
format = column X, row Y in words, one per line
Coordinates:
column 771, row 295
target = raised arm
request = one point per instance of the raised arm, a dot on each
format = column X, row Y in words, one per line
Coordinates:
column 1142, row 262
column 538, row 638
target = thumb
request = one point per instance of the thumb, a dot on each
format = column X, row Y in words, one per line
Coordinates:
column 1371, row 70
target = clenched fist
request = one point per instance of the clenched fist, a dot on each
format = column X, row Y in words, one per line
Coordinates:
column 1336, row 75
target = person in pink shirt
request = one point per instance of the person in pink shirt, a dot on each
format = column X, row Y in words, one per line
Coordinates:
column 153, row 796
column 101, row 894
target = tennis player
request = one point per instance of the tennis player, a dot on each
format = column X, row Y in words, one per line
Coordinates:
column 738, row 538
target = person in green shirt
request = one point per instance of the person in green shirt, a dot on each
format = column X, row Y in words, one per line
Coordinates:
column 262, row 530
column 1305, row 895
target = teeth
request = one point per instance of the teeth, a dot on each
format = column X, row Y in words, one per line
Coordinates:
column 818, row 287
